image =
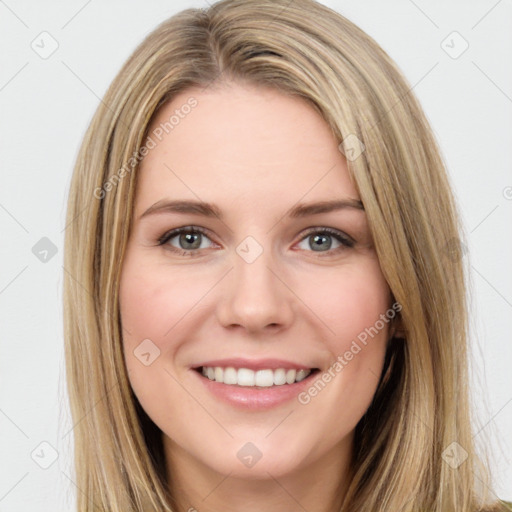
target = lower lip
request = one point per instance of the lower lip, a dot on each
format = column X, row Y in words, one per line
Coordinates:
column 255, row 398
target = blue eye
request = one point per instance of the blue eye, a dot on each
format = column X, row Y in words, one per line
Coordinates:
column 190, row 240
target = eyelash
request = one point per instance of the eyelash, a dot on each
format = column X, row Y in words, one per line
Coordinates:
column 345, row 241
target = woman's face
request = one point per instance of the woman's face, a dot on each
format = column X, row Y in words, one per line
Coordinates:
column 255, row 291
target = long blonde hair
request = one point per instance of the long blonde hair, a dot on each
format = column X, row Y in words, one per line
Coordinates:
column 302, row 48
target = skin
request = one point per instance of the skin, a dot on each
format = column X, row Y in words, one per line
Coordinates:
column 255, row 153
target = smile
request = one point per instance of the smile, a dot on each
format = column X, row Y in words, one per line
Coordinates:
column 254, row 384
column 249, row 378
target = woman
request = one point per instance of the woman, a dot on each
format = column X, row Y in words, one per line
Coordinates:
column 220, row 359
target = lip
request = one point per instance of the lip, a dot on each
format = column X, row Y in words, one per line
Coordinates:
column 254, row 398
column 254, row 364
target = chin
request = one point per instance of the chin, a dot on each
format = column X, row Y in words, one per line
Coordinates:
column 257, row 459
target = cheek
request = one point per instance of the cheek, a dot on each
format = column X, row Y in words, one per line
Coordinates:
column 350, row 302
column 156, row 310
column 145, row 308
column 154, row 307
column 153, row 301
column 354, row 305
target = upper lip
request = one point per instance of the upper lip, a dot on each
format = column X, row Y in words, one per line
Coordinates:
column 254, row 364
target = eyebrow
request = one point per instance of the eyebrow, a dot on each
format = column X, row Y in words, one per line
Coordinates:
column 210, row 210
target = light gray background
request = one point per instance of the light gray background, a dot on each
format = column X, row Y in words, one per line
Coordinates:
column 46, row 105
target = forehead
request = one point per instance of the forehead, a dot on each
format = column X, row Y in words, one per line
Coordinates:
column 244, row 141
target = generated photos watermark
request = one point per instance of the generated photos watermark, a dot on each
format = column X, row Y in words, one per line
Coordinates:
column 156, row 136
column 344, row 359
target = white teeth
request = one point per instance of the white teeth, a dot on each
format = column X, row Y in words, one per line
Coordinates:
column 250, row 378
column 264, row 378
column 245, row 377
column 230, row 376
column 301, row 375
column 279, row 377
column 290, row 376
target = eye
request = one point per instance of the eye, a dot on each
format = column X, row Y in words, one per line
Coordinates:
column 187, row 238
column 320, row 240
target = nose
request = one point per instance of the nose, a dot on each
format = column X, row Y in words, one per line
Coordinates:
column 255, row 296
